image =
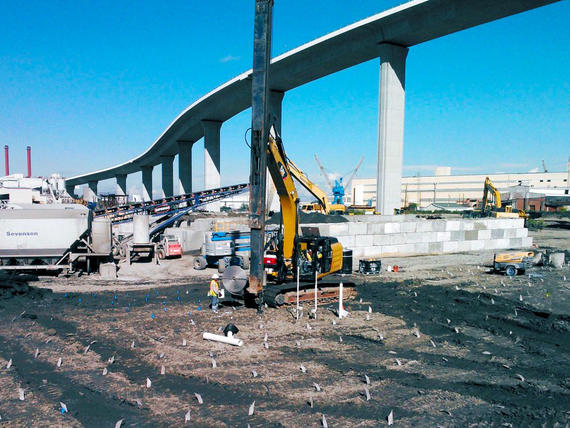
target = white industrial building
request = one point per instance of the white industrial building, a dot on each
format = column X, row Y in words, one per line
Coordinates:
column 446, row 188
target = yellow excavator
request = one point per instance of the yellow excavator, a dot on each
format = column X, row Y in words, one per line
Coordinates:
column 288, row 255
column 491, row 205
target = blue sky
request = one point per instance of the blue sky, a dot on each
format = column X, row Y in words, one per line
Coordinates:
column 88, row 85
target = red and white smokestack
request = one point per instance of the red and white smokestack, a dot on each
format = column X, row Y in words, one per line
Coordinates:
column 29, row 152
column 6, row 160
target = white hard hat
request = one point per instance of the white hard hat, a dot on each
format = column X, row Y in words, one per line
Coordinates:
column 215, row 276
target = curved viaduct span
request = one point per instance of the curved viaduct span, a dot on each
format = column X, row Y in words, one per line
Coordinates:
column 387, row 35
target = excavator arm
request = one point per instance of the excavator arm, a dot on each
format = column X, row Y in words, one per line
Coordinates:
column 311, row 187
column 288, row 197
column 489, row 188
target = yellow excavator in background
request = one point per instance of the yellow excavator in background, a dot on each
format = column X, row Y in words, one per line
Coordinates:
column 322, row 205
column 493, row 206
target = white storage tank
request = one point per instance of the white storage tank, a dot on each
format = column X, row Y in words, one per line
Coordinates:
column 140, row 229
column 101, row 235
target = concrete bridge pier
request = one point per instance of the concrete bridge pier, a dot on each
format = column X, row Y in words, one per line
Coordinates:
column 147, row 182
column 211, row 153
column 167, row 175
column 390, row 126
column 70, row 188
column 90, row 192
column 121, row 184
column 185, row 167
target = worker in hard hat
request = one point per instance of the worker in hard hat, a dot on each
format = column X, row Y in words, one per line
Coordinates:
column 214, row 292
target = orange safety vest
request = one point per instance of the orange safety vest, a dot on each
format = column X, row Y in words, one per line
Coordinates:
column 214, row 288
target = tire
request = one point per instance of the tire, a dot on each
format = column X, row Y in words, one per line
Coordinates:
column 221, row 265
column 200, row 263
column 510, row 271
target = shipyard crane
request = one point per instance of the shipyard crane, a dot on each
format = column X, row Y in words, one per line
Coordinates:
column 341, row 184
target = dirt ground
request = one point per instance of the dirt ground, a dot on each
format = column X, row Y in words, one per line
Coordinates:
column 442, row 343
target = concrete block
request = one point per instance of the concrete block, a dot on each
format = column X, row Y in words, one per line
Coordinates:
column 471, row 235
column 392, row 239
column 484, row 234
column 429, row 236
column 443, row 236
column 502, row 243
column 424, row 226
column 479, row 225
column 108, row 270
column 336, row 229
column 347, row 241
column 375, row 228
column 464, row 246
column 411, row 238
column 497, row 233
column 450, row 246
column 372, row 251
column 468, row 225
column 477, row 245
column 557, row 260
column 408, row 226
column 509, row 233
column 438, row 225
column 421, row 248
column 357, row 253
column 406, row 248
column 356, row 228
column 458, row 235
column 435, row 247
column 515, row 242
column 364, row 240
column 521, row 233
column 392, row 228
column 452, row 225
column 386, row 249
column 526, row 242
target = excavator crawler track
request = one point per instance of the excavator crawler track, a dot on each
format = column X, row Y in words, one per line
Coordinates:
column 286, row 294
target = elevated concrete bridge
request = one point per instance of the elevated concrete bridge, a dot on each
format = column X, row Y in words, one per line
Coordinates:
column 387, row 35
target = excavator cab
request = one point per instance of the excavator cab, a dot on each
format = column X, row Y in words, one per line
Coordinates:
column 320, row 255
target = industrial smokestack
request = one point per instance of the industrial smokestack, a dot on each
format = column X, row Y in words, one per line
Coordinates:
column 6, row 160
column 29, row 152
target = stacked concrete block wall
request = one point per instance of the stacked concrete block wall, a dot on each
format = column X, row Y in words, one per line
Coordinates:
column 372, row 236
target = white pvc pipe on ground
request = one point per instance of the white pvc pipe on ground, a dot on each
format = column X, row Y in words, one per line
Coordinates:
column 223, row 339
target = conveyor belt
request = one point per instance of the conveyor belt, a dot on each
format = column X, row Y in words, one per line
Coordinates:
column 168, row 206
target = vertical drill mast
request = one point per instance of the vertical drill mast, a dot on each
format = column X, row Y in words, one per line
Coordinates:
column 259, row 137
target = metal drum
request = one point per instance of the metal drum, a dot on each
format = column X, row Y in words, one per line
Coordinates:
column 346, row 261
column 370, row 266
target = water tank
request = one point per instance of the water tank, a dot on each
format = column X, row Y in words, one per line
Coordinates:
column 101, row 235
column 140, row 229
